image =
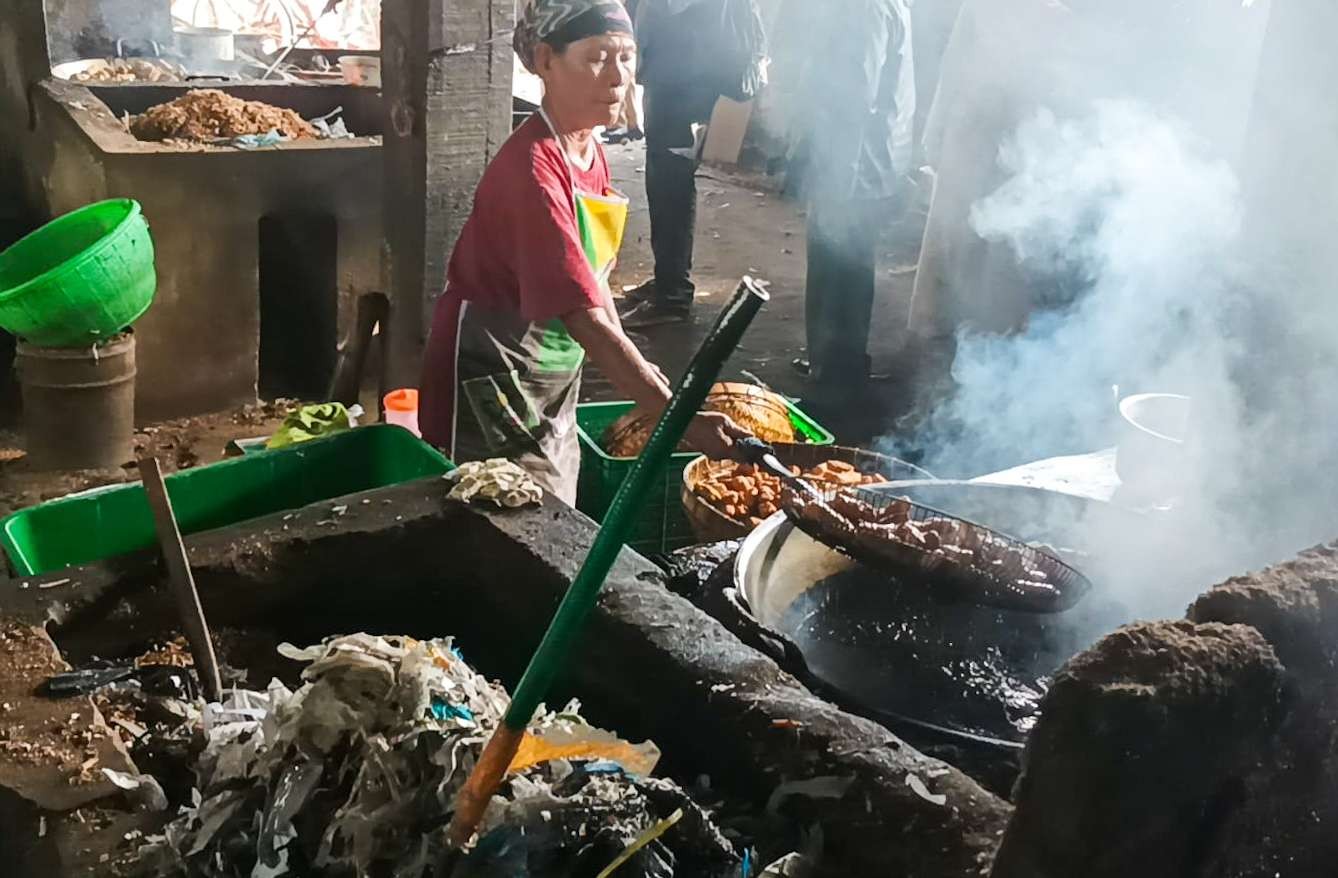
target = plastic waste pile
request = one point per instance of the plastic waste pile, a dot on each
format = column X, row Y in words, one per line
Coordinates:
column 500, row 480
column 355, row 774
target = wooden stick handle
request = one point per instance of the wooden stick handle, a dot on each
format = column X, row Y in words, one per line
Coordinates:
column 180, row 579
column 474, row 796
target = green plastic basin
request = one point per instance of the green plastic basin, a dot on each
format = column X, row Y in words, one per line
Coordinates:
column 81, row 278
column 662, row 525
column 115, row 521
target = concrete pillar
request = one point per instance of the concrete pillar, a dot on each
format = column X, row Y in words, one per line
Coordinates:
column 446, row 81
column 23, row 61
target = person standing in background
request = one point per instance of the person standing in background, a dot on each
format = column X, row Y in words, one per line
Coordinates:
column 853, row 121
column 1005, row 61
column 688, row 61
column 932, row 22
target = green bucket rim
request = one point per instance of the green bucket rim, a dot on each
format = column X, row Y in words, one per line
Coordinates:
column 133, row 212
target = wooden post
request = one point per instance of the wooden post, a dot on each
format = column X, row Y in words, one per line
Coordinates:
column 446, row 82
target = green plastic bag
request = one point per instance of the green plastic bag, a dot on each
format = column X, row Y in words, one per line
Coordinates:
column 312, row 422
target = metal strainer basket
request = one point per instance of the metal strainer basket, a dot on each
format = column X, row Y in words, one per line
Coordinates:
column 979, row 565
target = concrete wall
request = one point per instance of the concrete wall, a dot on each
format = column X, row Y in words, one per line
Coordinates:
column 198, row 346
column 447, row 84
column 446, row 78
column 89, row 28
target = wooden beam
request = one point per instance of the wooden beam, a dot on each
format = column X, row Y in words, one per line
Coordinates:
column 446, row 82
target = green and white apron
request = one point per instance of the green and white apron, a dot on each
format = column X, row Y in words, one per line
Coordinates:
column 517, row 382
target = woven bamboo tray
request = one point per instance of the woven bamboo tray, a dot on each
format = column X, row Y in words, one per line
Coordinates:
column 711, row 525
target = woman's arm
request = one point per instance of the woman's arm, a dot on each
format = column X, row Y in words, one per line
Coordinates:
column 636, row 378
column 613, row 352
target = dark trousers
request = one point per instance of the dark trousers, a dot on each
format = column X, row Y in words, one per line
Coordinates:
column 839, row 290
column 671, row 184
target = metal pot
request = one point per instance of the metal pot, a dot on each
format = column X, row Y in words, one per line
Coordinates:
column 1152, row 453
column 78, row 404
column 94, row 71
column 142, row 60
column 207, row 50
column 895, row 651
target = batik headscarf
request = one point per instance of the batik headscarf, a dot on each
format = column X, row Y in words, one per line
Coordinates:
column 562, row 22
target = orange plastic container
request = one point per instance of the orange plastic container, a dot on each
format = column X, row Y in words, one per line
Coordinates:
column 402, row 409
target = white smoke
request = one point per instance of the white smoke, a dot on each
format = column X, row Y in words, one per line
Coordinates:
column 1128, row 233
column 1131, row 238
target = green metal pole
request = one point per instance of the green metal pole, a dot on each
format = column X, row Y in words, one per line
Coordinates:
column 682, row 408
column 575, row 608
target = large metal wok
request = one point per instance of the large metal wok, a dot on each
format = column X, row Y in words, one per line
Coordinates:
column 894, row 650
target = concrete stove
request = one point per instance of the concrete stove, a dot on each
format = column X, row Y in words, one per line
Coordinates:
column 260, row 253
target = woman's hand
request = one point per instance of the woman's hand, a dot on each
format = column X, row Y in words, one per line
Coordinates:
column 640, row 380
column 714, row 435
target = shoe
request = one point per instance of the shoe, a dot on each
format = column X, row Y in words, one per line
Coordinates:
column 637, row 295
column 649, row 314
column 622, row 135
column 805, row 368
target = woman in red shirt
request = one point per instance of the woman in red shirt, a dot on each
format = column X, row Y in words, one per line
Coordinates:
column 527, row 294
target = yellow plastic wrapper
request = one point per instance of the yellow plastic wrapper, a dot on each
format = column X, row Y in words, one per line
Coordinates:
column 584, row 742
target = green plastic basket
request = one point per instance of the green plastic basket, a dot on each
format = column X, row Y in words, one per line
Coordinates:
column 663, row 525
column 114, row 521
column 81, row 278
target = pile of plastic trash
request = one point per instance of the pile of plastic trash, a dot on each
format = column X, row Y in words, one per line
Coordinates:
column 355, row 774
column 500, row 480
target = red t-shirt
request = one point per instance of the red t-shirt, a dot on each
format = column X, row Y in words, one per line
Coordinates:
column 519, row 254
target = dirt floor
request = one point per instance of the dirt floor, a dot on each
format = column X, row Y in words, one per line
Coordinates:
column 744, row 227
column 178, row 444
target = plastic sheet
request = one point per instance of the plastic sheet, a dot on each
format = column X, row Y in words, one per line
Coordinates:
column 355, row 773
column 582, row 742
column 499, row 480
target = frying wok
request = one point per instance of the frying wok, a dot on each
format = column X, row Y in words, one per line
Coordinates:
column 900, row 653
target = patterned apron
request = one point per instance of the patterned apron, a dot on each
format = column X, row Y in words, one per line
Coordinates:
column 519, row 382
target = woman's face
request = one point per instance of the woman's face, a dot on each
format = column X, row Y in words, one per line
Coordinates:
column 586, row 82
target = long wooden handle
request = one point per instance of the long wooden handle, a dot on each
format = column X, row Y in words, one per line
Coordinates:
column 483, row 781
column 180, row 579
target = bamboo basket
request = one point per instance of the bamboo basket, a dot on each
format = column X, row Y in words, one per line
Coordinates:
column 760, row 411
column 710, row 525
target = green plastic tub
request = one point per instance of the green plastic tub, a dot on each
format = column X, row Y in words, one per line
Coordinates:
column 80, row 278
column 663, row 525
column 114, row 521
